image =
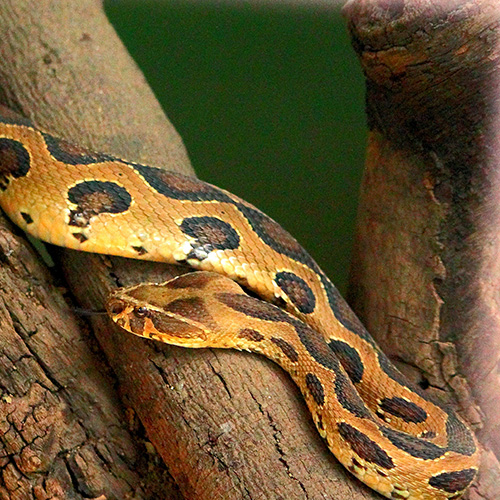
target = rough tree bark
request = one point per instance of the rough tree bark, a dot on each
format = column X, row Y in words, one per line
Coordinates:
column 425, row 269
column 227, row 425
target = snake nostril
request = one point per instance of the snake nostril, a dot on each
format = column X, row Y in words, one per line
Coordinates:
column 116, row 307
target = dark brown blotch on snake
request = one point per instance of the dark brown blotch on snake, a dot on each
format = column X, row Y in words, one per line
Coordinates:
column 180, row 187
column 14, row 161
column 349, row 358
column 459, row 437
column 27, row 217
column 140, row 250
column 191, row 307
column 174, row 327
column 96, row 197
column 364, row 447
column 297, row 290
column 253, row 307
column 196, row 281
column 209, row 233
column 287, row 349
column 349, row 398
column 416, row 447
column 452, row 482
column 315, row 388
column 80, row 237
column 275, row 236
column 73, row 154
column 251, row 335
column 404, row 409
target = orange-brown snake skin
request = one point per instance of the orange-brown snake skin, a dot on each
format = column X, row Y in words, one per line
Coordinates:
column 380, row 427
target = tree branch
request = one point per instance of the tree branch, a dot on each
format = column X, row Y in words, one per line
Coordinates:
column 425, row 270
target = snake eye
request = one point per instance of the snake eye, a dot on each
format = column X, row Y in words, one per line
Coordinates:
column 140, row 312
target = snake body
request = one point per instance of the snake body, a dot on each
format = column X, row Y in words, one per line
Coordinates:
column 381, row 427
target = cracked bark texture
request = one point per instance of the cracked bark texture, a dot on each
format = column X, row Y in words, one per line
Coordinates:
column 227, row 425
column 425, row 270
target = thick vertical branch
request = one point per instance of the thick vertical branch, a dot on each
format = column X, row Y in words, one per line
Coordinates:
column 227, row 425
column 425, row 270
column 63, row 431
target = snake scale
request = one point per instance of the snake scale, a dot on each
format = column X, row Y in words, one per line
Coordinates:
column 380, row 427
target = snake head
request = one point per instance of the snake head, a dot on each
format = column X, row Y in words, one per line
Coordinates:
column 161, row 312
column 129, row 316
column 118, row 310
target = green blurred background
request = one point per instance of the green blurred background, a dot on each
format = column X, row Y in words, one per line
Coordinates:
column 269, row 100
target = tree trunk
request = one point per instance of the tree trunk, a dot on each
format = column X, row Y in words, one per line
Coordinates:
column 425, row 269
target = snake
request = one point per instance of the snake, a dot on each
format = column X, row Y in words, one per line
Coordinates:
column 253, row 287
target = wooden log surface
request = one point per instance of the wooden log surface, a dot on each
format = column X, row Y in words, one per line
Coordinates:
column 424, row 275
